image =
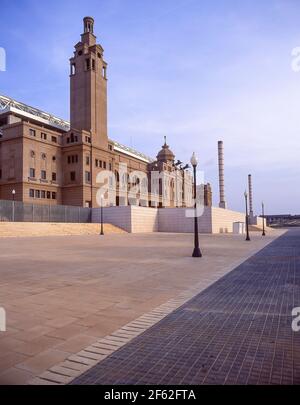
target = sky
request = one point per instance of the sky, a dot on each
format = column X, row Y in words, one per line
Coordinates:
column 196, row 71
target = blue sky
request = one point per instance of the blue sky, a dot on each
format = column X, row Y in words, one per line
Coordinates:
column 196, row 71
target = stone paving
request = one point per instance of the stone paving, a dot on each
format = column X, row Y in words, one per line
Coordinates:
column 62, row 294
column 237, row 331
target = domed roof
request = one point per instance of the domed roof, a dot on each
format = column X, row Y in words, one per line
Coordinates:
column 165, row 155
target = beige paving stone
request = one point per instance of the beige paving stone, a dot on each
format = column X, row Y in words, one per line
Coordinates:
column 37, row 345
column 75, row 344
column 15, row 376
column 43, row 361
column 75, row 282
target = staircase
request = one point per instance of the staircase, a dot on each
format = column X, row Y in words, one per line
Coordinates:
column 23, row 229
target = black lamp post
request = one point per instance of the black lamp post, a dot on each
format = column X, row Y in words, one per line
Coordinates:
column 197, row 251
column 102, row 232
column 263, row 216
column 13, row 207
column 247, row 217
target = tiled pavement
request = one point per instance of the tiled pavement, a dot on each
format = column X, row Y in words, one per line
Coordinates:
column 238, row 331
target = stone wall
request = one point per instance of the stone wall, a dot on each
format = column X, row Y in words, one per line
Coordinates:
column 142, row 220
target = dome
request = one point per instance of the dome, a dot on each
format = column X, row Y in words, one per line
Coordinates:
column 165, row 155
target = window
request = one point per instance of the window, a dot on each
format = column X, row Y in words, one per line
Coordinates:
column 79, row 53
column 53, row 195
column 88, row 139
column 73, row 69
column 44, row 156
column 0, row 173
column 104, row 72
column 87, row 177
column 104, row 165
column 72, row 138
column 73, row 176
column 54, row 139
column 54, row 158
column 68, row 140
column 87, row 160
column 53, row 176
column 43, row 175
column 110, row 166
column 93, row 64
column 32, row 132
column 37, row 194
column 87, row 64
column 110, row 147
column 32, row 153
column 32, row 173
column 96, row 162
column 44, row 136
column 43, row 194
column 48, row 195
column 31, row 193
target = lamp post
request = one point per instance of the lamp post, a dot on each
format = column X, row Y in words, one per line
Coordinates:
column 102, row 232
column 263, row 216
column 197, row 251
column 247, row 217
column 13, row 205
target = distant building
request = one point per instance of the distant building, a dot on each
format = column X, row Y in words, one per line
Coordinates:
column 50, row 161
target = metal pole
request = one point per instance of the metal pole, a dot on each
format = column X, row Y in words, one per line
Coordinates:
column 263, row 215
column 13, row 208
column 101, row 212
column 247, row 218
column 197, row 251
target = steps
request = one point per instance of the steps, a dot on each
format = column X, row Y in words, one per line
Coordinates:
column 26, row 229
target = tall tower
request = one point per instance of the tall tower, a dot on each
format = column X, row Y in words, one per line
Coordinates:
column 222, row 203
column 88, row 81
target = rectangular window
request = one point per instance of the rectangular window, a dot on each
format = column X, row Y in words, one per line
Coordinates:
column 53, row 196
column 53, row 176
column 76, row 158
column 43, row 175
column 37, row 194
column 73, row 176
column 32, row 173
column 97, row 163
column 54, row 139
column 31, row 193
column 104, row 165
column 87, row 160
column 69, row 159
column 43, row 194
column 87, row 177
column 110, row 166
column 44, row 136
column 32, row 132
column 87, row 64
column 48, row 195
column 100, row 164
column 93, row 64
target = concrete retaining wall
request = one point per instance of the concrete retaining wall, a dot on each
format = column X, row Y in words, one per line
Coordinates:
column 142, row 220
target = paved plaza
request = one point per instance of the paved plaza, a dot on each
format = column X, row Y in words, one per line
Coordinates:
column 238, row 331
column 61, row 294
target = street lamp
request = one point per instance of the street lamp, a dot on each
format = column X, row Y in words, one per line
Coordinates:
column 102, row 232
column 247, row 217
column 197, row 251
column 263, row 216
column 13, row 207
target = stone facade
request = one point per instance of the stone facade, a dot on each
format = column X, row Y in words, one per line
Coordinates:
column 50, row 161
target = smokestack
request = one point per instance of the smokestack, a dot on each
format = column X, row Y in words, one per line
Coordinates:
column 222, row 203
column 250, row 195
